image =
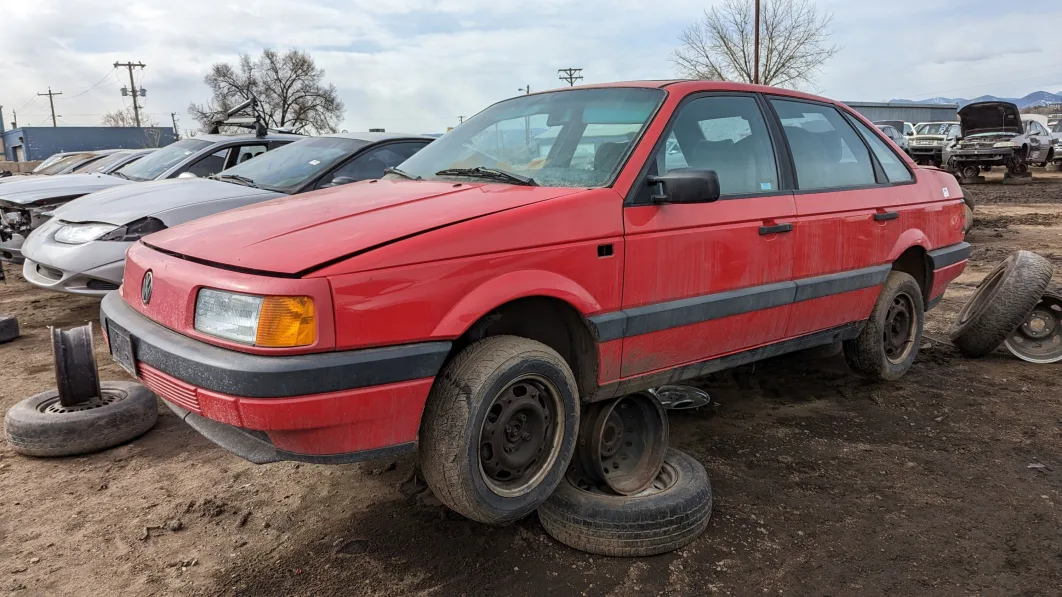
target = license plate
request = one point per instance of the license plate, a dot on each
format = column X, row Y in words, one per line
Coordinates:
column 122, row 347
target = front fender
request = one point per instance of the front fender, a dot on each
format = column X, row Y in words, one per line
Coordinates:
column 509, row 287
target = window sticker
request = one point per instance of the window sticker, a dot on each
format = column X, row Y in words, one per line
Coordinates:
column 765, row 186
column 946, row 192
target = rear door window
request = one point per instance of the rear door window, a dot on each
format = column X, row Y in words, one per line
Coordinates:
column 372, row 163
column 827, row 152
column 211, row 164
column 891, row 163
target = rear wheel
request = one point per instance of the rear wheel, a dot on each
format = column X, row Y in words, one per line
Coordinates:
column 889, row 343
column 499, row 428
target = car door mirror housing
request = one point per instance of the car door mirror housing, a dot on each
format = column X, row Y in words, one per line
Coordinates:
column 187, row 175
column 685, row 185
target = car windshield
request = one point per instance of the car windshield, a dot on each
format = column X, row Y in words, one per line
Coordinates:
column 152, row 166
column 935, row 128
column 103, row 164
column 287, row 168
column 573, row 138
column 48, row 162
column 65, row 162
column 1058, row 127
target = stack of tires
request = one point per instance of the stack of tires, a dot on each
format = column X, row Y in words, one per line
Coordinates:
column 503, row 434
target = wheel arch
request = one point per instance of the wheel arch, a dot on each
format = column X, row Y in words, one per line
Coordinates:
column 914, row 260
column 535, row 304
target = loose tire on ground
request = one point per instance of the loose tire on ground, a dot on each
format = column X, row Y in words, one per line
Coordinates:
column 456, row 450
column 889, row 343
column 41, row 426
column 1001, row 303
column 669, row 515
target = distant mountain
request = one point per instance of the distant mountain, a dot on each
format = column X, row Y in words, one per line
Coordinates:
column 1034, row 99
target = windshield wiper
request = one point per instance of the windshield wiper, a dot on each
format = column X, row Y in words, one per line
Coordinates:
column 491, row 173
column 247, row 182
column 401, row 173
column 120, row 175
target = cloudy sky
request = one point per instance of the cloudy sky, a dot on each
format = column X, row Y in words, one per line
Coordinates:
column 416, row 65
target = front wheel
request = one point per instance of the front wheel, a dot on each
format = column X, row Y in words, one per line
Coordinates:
column 889, row 343
column 499, row 428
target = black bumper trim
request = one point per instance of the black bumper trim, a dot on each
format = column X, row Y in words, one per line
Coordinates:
column 950, row 255
column 258, row 376
column 672, row 314
column 254, row 446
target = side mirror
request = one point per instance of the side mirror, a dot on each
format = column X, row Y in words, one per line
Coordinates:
column 340, row 180
column 187, row 175
column 686, row 185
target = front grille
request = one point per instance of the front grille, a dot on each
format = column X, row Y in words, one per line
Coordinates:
column 101, row 285
column 170, row 389
column 49, row 272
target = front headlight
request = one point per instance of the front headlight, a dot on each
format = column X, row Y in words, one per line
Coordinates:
column 79, row 234
column 1005, row 144
column 135, row 230
column 270, row 321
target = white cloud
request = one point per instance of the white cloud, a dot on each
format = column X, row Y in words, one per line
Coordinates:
column 416, row 65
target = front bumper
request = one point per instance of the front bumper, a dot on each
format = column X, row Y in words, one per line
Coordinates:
column 91, row 269
column 11, row 249
column 993, row 156
column 328, row 407
column 926, row 151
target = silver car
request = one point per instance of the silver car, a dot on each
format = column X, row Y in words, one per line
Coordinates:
column 81, row 250
column 26, row 204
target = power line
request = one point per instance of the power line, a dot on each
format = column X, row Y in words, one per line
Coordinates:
column 51, row 100
column 90, row 88
column 132, row 84
column 571, row 75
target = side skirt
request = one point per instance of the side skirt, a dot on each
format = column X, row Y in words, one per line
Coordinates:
column 699, row 369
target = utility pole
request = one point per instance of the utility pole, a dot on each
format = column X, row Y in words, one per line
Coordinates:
column 571, row 75
column 51, row 100
column 176, row 134
column 132, row 86
column 14, row 119
column 756, row 41
column 460, row 119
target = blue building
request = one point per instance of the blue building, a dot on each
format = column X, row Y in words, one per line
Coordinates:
column 31, row 143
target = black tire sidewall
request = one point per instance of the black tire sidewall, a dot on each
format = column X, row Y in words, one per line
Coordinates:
column 34, row 433
column 645, row 525
column 866, row 353
column 911, row 288
column 520, row 506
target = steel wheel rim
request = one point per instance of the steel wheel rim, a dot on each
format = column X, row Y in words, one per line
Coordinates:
column 622, row 443
column 53, row 406
column 1039, row 338
column 667, row 477
column 520, row 437
column 901, row 322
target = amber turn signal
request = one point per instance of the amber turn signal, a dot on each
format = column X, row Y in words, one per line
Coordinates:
column 286, row 321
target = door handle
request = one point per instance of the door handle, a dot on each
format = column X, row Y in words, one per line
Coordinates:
column 777, row 228
column 889, row 215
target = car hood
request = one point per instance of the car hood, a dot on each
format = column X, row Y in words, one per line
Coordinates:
column 295, row 235
column 41, row 189
column 984, row 117
column 124, row 204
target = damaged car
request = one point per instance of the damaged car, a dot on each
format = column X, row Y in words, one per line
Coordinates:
column 930, row 138
column 27, row 203
column 994, row 134
column 82, row 249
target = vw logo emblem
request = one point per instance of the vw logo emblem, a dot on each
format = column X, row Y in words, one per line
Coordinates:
column 145, row 288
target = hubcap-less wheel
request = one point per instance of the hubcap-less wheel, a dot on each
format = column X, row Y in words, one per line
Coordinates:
column 622, row 443
column 520, row 439
column 1039, row 338
column 971, row 172
column 900, row 328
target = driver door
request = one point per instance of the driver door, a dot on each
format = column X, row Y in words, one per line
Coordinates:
column 706, row 279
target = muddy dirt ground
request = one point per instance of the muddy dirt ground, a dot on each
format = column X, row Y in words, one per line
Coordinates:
column 948, row 482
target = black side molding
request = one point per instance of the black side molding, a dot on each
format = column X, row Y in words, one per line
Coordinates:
column 950, row 255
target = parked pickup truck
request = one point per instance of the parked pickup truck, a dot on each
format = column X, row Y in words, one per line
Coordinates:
column 554, row 250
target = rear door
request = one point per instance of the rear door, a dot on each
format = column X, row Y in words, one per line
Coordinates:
column 850, row 213
column 702, row 280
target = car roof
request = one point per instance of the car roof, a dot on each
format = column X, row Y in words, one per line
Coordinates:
column 376, row 137
column 688, row 85
column 223, row 138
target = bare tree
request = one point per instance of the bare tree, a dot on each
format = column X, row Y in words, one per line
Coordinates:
column 125, row 117
column 794, row 43
column 289, row 88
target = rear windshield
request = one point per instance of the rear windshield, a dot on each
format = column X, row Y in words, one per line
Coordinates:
column 161, row 160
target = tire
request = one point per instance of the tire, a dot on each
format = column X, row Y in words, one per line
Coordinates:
column 456, row 417
column 645, row 524
column 40, row 426
column 968, row 218
column 1002, row 301
column 898, row 315
column 968, row 198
